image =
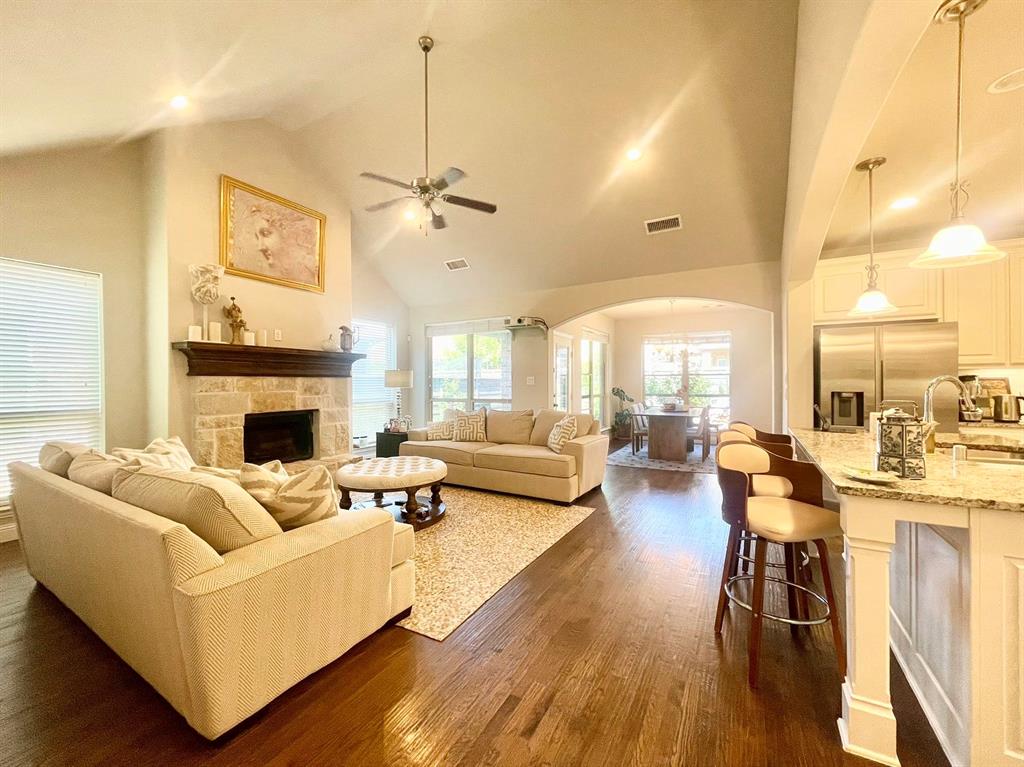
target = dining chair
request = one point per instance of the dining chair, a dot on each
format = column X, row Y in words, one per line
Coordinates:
column 638, row 426
column 788, row 522
column 702, row 432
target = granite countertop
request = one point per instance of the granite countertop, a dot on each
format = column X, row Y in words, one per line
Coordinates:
column 979, row 485
column 1006, row 441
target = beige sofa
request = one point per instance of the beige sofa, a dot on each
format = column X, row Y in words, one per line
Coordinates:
column 516, row 459
column 218, row 635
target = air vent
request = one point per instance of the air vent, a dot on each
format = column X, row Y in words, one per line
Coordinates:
column 667, row 224
column 457, row 264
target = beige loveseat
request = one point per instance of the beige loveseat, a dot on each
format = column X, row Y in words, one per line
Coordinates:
column 218, row 635
column 516, row 459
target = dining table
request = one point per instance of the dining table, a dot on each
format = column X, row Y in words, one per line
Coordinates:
column 666, row 433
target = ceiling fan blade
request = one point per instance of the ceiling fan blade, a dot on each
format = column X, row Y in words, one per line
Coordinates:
column 437, row 220
column 465, row 202
column 385, row 179
column 388, row 203
column 449, row 177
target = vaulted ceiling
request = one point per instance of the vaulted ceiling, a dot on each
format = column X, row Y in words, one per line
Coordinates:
column 537, row 101
column 916, row 132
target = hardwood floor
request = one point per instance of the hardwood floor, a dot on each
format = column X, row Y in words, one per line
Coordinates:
column 601, row 652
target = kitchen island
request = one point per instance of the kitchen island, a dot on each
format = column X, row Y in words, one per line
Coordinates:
column 934, row 570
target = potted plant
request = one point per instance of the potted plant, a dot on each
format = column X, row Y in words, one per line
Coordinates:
column 623, row 426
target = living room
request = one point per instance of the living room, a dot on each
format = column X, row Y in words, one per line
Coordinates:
column 416, row 383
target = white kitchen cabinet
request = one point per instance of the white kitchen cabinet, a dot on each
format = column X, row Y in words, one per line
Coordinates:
column 1016, row 270
column 976, row 298
column 838, row 282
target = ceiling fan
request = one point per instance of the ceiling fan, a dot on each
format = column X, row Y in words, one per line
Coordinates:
column 426, row 189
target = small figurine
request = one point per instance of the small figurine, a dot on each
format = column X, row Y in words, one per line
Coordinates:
column 233, row 313
column 347, row 338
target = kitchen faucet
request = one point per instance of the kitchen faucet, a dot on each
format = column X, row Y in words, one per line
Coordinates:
column 929, row 405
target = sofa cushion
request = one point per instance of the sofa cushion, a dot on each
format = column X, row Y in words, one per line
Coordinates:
column 526, row 459
column 217, row 510
column 56, row 457
column 509, row 427
column 446, row 450
column 95, row 469
column 166, row 453
column 470, row 427
column 405, row 544
column 293, row 501
column 546, row 420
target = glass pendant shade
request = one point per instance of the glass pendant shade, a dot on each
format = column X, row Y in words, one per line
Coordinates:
column 872, row 301
column 959, row 244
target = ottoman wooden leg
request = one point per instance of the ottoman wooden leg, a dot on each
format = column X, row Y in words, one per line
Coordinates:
column 435, row 494
column 378, row 496
column 412, row 505
column 346, row 498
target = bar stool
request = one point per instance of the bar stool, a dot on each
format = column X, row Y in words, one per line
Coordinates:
column 786, row 521
column 761, row 436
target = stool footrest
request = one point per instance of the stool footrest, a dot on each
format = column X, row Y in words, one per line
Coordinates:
column 731, row 583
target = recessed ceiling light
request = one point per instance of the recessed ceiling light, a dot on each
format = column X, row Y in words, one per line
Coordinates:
column 634, row 154
column 179, row 102
column 903, row 203
column 1011, row 81
column 409, row 215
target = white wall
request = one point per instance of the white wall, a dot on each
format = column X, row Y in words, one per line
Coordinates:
column 373, row 298
column 755, row 285
column 79, row 208
column 261, row 154
column 752, row 389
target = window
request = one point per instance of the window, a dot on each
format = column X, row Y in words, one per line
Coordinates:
column 592, row 374
column 51, row 360
column 470, row 366
column 372, row 404
column 699, row 361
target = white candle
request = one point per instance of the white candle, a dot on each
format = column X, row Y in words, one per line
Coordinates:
column 195, row 332
column 248, row 338
column 261, row 337
column 213, row 331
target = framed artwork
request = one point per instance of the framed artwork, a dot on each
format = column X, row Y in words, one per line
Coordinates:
column 993, row 386
column 266, row 237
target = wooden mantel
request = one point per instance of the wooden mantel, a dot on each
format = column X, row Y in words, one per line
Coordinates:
column 212, row 359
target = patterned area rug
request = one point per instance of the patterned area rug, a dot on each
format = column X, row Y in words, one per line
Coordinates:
column 484, row 540
column 624, row 457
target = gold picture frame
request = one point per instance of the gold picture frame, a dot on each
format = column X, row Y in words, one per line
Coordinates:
column 265, row 237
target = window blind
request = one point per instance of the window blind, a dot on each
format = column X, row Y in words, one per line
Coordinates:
column 51, row 360
column 372, row 404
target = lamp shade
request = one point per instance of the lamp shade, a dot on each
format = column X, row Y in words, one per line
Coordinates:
column 398, row 379
column 959, row 244
column 872, row 301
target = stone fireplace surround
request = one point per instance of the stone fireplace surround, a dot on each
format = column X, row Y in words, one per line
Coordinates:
column 220, row 403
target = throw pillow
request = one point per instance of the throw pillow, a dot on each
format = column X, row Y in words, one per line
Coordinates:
column 509, row 427
column 562, row 432
column 293, row 501
column 234, row 475
column 215, row 509
column 165, row 453
column 56, row 457
column 440, row 430
column 470, row 427
column 95, row 470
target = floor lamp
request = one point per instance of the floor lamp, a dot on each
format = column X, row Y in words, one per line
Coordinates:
column 398, row 379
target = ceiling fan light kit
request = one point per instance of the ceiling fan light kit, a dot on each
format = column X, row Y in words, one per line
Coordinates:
column 872, row 301
column 427, row 190
column 961, row 243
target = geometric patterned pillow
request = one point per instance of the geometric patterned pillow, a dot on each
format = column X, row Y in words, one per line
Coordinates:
column 165, row 453
column 562, row 432
column 440, row 430
column 292, row 501
column 470, row 427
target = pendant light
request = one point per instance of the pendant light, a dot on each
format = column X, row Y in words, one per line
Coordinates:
column 961, row 243
column 872, row 300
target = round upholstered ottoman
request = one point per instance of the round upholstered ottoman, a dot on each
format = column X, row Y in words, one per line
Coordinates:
column 407, row 473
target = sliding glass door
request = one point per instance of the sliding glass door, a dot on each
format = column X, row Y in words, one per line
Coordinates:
column 592, row 375
column 469, row 371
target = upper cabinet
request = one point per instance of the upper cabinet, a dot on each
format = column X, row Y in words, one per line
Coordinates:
column 1016, row 272
column 975, row 297
column 917, row 293
column 986, row 301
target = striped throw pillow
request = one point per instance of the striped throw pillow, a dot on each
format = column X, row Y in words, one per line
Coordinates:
column 293, row 501
column 561, row 433
column 163, row 453
column 470, row 427
column 440, row 430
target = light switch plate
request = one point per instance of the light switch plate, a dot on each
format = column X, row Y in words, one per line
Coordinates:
column 531, row 380
column 277, row 334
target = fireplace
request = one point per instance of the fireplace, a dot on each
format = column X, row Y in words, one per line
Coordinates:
column 285, row 436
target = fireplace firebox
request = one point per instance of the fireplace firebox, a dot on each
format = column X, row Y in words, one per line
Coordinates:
column 284, row 436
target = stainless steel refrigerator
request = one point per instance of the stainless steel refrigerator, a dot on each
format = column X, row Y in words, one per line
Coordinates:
column 857, row 368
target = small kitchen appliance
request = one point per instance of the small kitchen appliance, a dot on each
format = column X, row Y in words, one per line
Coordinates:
column 1006, row 408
